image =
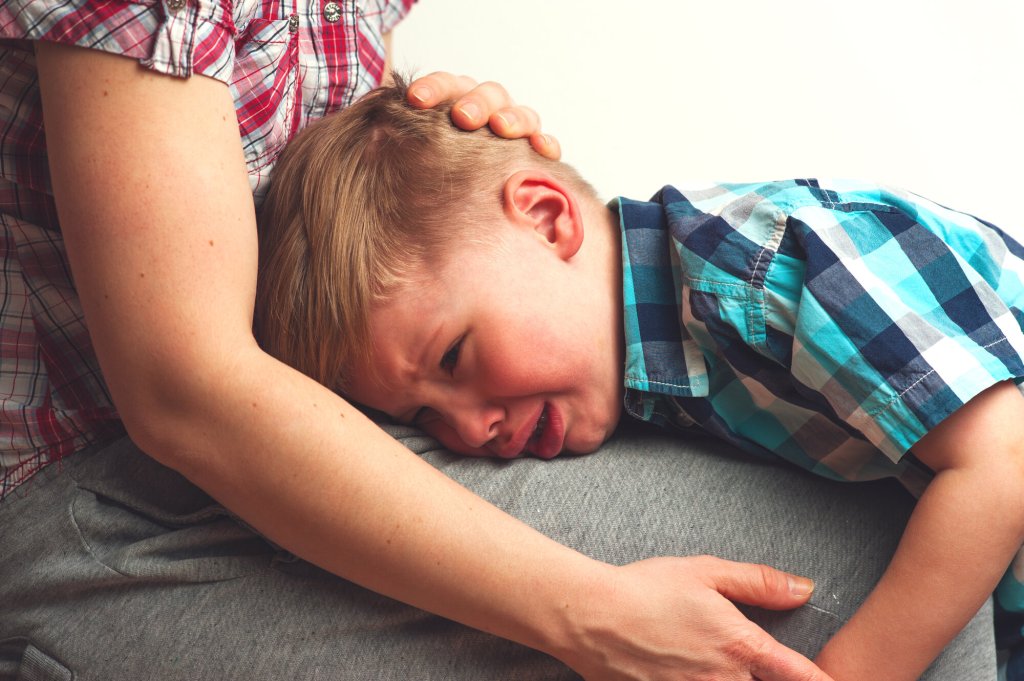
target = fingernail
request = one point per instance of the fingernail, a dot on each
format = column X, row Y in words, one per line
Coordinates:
column 800, row 586
column 421, row 94
column 470, row 111
column 509, row 119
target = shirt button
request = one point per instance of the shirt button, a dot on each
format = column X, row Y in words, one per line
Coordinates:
column 175, row 5
column 293, row 23
column 332, row 12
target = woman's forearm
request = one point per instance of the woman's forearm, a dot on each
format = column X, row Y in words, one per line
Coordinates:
column 321, row 480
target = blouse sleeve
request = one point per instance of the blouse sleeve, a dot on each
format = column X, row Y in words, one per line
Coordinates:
column 174, row 37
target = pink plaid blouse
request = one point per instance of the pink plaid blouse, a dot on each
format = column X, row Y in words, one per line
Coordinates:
column 287, row 62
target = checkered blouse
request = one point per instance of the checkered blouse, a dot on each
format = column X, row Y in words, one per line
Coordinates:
column 286, row 62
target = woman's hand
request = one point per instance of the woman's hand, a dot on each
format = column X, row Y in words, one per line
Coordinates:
column 671, row 618
column 477, row 105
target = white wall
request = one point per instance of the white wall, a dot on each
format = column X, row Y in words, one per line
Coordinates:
column 927, row 94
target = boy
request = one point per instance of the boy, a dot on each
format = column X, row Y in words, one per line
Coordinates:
column 460, row 283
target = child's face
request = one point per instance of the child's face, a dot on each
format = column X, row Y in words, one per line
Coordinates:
column 508, row 350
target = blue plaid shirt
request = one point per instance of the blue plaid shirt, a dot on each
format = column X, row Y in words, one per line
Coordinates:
column 832, row 324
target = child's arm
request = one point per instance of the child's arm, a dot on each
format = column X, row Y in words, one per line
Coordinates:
column 960, row 539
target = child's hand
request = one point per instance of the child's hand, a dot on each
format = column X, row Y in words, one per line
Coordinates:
column 482, row 104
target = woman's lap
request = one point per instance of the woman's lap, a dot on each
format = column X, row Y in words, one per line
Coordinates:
column 118, row 568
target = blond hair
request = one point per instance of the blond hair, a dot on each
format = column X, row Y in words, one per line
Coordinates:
column 360, row 202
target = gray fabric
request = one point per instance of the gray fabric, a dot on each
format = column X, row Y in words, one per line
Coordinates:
column 117, row 568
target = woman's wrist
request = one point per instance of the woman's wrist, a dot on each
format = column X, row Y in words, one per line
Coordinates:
column 575, row 617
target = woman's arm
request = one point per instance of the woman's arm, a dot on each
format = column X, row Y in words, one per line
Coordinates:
column 962, row 535
column 159, row 225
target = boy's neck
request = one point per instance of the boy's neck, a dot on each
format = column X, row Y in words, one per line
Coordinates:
column 602, row 229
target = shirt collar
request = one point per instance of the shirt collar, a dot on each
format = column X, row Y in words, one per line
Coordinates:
column 661, row 356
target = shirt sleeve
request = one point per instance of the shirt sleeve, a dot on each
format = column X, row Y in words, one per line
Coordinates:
column 173, row 37
column 904, row 310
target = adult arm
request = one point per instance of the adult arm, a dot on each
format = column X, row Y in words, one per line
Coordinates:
column 959, row 540
column 159, row 225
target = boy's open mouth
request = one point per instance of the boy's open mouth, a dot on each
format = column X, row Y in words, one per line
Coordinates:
column 546, row 439
column 541, row 422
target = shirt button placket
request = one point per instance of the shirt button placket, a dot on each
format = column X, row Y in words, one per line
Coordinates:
column 175, row 5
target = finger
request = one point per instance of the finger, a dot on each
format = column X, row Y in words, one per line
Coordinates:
column 779, row 663
column 515, row 121
column 430, row 90
column 474, row 109
column 546, row 145
column 758, row 584
column 522, row 121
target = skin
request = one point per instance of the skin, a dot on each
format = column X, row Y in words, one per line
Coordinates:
column 483, row 104
column 963, row 533
column 167, row 286
column 474, row 352
column 496, row 371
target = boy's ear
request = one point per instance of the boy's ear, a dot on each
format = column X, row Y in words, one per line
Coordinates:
column 534, row 200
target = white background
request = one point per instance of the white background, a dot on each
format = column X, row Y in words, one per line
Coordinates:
column 925, row 94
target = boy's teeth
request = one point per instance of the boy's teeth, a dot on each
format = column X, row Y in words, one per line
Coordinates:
column 541, row 422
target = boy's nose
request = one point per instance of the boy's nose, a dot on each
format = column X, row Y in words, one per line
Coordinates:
column 477, row 425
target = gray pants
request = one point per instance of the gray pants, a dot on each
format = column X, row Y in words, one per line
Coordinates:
column 113, row 567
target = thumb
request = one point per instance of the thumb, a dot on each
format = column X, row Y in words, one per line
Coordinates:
column 759, row 585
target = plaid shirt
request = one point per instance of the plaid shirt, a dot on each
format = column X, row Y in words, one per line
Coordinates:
column 286, row 62
column 831, row 324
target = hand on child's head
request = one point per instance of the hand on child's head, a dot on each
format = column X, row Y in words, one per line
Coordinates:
column 482, row 104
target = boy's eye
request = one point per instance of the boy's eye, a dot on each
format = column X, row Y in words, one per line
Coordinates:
column 451, row 358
